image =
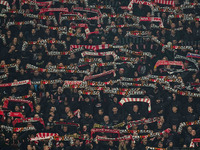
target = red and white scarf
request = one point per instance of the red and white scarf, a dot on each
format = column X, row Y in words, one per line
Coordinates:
column 115, row 131
column 46, row 82
column 139, row 85
column 165, row 2
column 55, row 70
column 89, row 92
column 144, row 100
column 47, row 4
column 15, row 114
column 152, row 19
column 130, row 5
column 154, row 148
column 93, row 47
column 5, row 104
column 125, row 137
column 5, row 3
column 196, row 140
column 3, row 115
column 24, row 82
column 44, row 10
column 73, row 82
column 90, row 77
column 90, row 60
column 184, row 124
column 18, row 129
column 26, row 120
column 43, row 136
column 179, row 92
column 92, row 10
column 4, row 76
column 141, row 122
column 8, row 66
column 165, row 62
column 87, row 53
column 19, row 23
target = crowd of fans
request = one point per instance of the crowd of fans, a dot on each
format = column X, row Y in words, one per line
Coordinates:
column 63, row 113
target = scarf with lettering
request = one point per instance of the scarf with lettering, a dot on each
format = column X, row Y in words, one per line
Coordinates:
column 152, row 19
column 115, row 131
column 89, row 60
column 122, row 138
column 52, row 70
column 154, row 148
column 165, row 62
column 136, row 53
column 43, row 136
column 69, row 138
column 67, row 123
column 168, row 47
column 5, row 104
column 179, row 92
column 33, row 2
column 125, row 26
column 26, row 120
column 98, row 83
column 109, row 127
column 93, row 47
column 46, row 82
column 89, row 92
column 188, row 59
column 15, row 114
column 18, row 129
column 156, row 134
column 56, row 42
column 25, row 96
column 42, row 17
column 126, row 84
column 152, row 78
column 130, row 5
column 85, row 26
column 47, row 4
column 44, row 10
column 183, row 47
column 142, row 121
column 90, row 77
column 139, row 131
column 92, row 10
column 24, row 82
column 136, row 33
column 56, row 53
column 123, row 91
column 53, row 28
column 71, row 16
column 19, row 23
column 40, row 43
column 184, row 17
column 185, row 124
column 74, row 67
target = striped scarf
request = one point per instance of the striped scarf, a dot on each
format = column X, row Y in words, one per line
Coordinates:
column 144, row 100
